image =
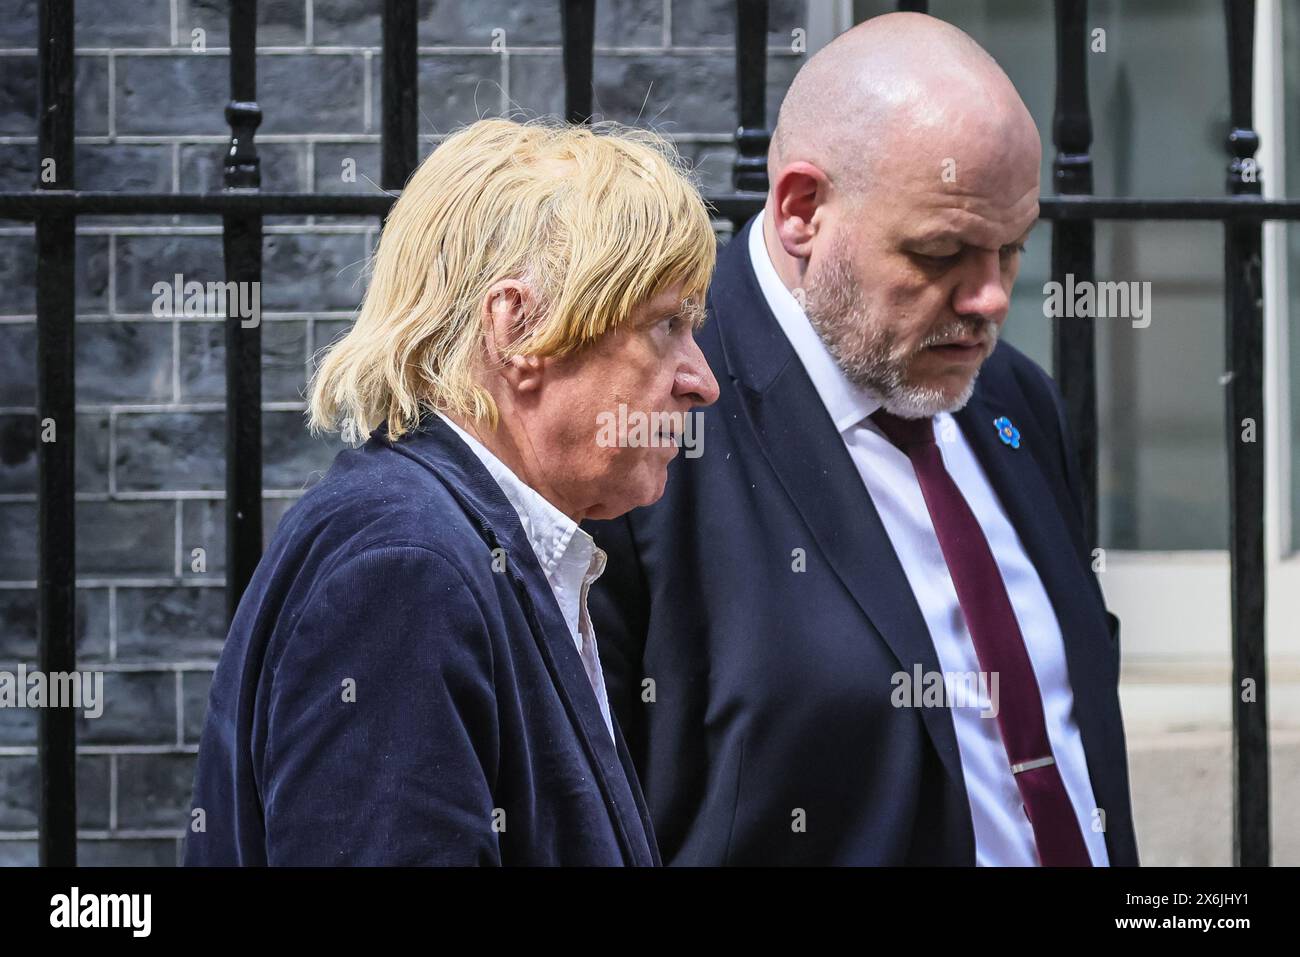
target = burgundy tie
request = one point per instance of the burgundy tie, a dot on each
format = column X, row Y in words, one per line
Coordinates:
column 998, row 644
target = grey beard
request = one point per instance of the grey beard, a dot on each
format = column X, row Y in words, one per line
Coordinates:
column 865, row 350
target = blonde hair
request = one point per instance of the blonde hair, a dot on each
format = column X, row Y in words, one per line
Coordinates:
column 595, row 220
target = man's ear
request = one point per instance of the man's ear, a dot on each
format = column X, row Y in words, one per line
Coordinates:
column 799, row 192
column 507, row 311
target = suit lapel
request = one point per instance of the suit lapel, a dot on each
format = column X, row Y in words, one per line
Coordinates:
column 809, row 457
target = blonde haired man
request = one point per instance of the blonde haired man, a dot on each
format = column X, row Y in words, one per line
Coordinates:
column 411, row 677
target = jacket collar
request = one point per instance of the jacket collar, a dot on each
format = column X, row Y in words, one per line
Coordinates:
column 567, row 553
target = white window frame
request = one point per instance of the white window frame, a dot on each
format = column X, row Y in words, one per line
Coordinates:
column 1176, row 606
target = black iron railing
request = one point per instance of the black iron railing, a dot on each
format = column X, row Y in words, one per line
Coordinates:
column 54, row 206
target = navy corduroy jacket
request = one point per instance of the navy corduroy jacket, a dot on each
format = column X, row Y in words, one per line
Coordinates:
column 399, row 687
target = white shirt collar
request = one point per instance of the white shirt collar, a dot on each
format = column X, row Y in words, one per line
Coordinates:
column 568, row 555
column 848, row 404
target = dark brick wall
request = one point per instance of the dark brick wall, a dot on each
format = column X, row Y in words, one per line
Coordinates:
column 150, row 469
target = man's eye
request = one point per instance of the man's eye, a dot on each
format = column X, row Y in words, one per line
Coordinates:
column 1013, row 248
column 936, row 261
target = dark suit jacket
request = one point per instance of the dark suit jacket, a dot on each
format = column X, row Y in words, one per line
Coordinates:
column 772, row 687
column 469, row 693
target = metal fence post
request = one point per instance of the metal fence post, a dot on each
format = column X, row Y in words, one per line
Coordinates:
column 241, row 239
column 1244, row 355
column 56, row 306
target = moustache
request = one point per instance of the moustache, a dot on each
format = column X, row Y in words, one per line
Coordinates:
column 965, row 331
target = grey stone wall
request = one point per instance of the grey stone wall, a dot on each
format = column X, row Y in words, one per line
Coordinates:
column 150, row 467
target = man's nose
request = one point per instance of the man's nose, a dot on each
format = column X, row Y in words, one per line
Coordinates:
column 695, row 381
column 979, row 289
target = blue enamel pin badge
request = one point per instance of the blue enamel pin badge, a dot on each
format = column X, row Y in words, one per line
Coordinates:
column 1007, row 432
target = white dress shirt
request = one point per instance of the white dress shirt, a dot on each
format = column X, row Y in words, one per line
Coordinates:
column 569, row 558
column 1003, row 835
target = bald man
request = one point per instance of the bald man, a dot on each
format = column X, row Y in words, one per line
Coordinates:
column 862, row 626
